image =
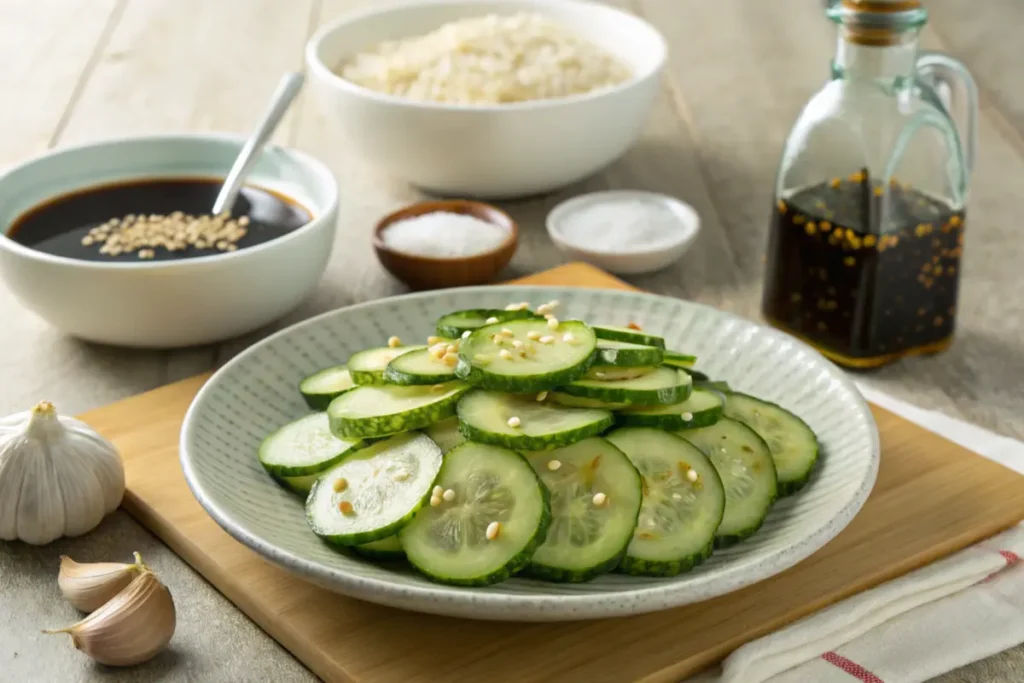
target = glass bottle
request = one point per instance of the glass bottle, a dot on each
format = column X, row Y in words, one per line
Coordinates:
column 868, row 223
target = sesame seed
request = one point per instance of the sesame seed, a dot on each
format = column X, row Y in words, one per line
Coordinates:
column 87, row 241
column 569, row 338
column 514, row 421
column 394, row 342
column 546, row 339
column 553, row 323
column 533, row 334
column 146, row 253
column 505, row 332
column 491, row 320
column 346, row 508
column 497, row 338
column 523, row 305
column 542, row 395
column 243, row 221
column 512, row 307
column 600, row 375
column 692, row 475
column 600, row 499
column 437, row 491
column 505, row 354
column 451, row 348
column 434, row 340
column 340, row 484
column 435, row 501
column 544, row 308
column 493, row 529
column 448, row 495
column 401, row 476
column 687, row 416
column 517, row 344
column 553, row 465
column 465, row 335
column 676, row 496
column 438, row 350
column 437, row 387
column 450, row 359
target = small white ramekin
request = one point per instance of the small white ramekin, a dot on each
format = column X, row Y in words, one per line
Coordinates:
column 167, row 304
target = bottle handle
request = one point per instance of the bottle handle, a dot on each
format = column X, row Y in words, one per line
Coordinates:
column 954, row 89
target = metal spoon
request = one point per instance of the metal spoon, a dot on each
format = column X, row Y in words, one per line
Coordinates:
column 286, row 92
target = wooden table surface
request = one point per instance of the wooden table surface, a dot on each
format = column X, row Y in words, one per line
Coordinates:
column 78, row 70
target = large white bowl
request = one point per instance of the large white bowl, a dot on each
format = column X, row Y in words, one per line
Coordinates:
column 164, row 304
column 487, row 151
column 257, row 392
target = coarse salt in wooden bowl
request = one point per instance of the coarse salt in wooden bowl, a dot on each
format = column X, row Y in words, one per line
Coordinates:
column 436, row 272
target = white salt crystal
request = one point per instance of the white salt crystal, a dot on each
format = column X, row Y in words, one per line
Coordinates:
column 623, row 225
column 442, row 234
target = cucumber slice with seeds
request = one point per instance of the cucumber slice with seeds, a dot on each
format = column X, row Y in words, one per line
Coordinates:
column 372, row 411
column 387, row 549
column 367, row 367
column 494, row 488
column 793, row 445
column 304, row 447
column 661, row 386
column 629, row 335
column 683, row 503
column 374, row 492
column 570, row 401
column 528, row 365
column 703, row 408
column 446, row 434
column 588, row 535
column 484, row 416
column 625, row 354
column 609, row 373
column 454, row 324
column 745, row 465
column 678, row 360
column 418, row 367
column 320, row 388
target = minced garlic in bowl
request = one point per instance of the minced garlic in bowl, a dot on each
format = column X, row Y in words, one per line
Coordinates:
column 488, row 60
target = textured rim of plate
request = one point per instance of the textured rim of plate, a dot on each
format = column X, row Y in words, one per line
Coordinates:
column 477, row 603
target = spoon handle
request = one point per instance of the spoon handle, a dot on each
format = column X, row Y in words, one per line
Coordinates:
column 286, row 92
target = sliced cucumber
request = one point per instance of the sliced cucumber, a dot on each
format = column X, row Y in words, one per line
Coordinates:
column 678, row 360
column 367, row 367
column 793, row 445
column 745, row 465
column 661, row 386
column 696, row 375
column 303, row 447
column 374, row 492
column 371, row 411
column 446, row 434
column 300, row 485
column 610, row 373
column 681, row 511
column 449, row 542
column 702, row 409
column 454, row 324
column 712, row 385
column 320, row 388
column 387, row 549
column 629, row 335
column 570, row 401
column 418, row 367
column 626, row 355
column 484, row 416
column 588, row 536
column 510, row 356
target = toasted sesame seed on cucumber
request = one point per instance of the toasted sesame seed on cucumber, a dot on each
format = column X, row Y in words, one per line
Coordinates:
column 488, row 527
column 609, row 373
column 595, row 498
column 322, row 387
column 387, row 549
column 367, row 367
column 374, row 492
column 373, row 411
column 744, row 463
column 524, row 424
column 625, row 354
column 526, row 355
column 793, row 445
column 570, row 401
column 678, row 360
column 446, row 433
column 663, row 385
column 629, row 335
column 683, row 503
column 304, row 447
column 419, row 367
column 702, row 408
column 454, row 324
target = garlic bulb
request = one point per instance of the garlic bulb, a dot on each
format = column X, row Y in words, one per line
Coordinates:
column 131, row 628
column 88, row 586
column 58, row 476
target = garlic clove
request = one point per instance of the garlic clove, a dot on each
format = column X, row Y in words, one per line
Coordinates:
column 88, row 586
column 131, row 628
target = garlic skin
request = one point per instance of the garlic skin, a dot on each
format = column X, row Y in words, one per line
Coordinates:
column 58, row 476
column 89, row 586
column 131, row 628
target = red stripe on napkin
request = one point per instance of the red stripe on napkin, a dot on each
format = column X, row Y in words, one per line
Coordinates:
column 1010, row 557
column 852, row 668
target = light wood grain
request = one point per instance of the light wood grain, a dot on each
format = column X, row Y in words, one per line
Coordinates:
column 932, row 498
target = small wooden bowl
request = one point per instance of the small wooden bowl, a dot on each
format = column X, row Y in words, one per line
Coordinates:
column 428, row 272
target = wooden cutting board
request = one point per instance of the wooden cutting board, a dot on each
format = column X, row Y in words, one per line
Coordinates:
column 932, row 498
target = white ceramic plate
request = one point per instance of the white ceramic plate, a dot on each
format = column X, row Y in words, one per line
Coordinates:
column 256, row 392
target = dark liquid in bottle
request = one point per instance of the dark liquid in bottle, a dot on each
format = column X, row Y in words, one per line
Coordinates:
column 61, row 225
column 863, row 272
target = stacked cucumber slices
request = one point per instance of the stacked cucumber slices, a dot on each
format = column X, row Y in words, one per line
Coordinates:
column 514, row 442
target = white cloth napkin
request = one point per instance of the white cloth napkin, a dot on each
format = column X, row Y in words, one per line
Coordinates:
column 953, row 612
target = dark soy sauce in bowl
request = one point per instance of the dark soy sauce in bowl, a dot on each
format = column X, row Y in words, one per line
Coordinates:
column 168, row 219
